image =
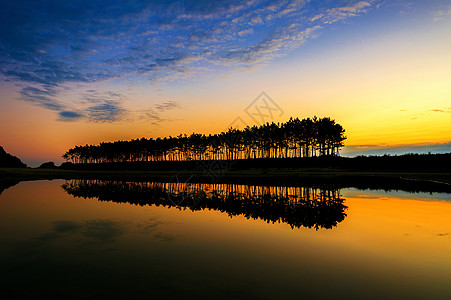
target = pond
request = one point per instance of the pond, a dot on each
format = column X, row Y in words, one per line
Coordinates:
column 89, row 239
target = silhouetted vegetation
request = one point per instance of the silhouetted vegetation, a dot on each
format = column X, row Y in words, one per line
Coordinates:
column 48, row 165
column 9, row 161
column 402, row 163
column 295, row 138
column 296, row 206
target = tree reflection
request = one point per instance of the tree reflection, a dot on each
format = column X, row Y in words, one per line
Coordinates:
column 296, row 206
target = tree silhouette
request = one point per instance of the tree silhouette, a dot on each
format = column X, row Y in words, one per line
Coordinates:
column 294, row 138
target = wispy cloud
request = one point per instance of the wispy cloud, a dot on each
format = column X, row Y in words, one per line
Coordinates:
column 155, row 115
column 445, row 110
column 429, row 112
column 47, row 48
column 43, row 97
column 106, row 111
column 168, row 105
column 335, row 14
column 151, row 116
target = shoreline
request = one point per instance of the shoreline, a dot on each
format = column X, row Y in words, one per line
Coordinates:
column 407, row 181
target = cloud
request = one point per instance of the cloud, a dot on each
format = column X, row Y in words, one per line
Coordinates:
column 245, row 32
column 168, row 105
column 335, row 14
column 94, row 96
column 266, row 49
column 69, row 116
column 152, row 117
column 94, row 106
column 42, row 97
column 48, row 47
column 105, row 111
column 256, row 20
column 446, row 110
column 156, row 115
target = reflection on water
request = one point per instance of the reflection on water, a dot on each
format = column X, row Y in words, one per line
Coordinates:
column 198, row 241
column 296, row 206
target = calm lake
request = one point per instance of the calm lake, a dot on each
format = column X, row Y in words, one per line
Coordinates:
column 115, row 240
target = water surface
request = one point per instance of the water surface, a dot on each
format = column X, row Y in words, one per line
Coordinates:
column 94, row 239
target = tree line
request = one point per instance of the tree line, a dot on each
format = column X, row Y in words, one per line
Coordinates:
column 294, row 138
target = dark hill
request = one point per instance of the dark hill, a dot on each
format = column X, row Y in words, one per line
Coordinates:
column 9, row 161
column 48, row 165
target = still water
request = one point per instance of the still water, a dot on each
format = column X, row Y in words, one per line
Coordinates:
column 96, row 240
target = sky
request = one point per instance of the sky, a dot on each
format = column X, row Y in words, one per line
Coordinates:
column 83, row 72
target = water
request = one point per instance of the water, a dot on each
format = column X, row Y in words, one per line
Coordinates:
column 94, row 239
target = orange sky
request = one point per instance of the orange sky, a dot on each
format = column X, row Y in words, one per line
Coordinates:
column 385, row 79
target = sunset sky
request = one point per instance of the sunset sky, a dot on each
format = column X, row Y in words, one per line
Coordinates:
column 82, row 72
